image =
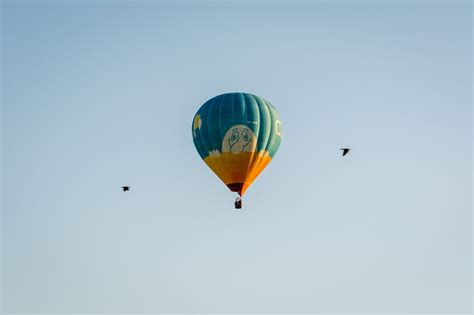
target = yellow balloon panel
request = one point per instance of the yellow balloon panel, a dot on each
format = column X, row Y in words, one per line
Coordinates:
column 238, row 171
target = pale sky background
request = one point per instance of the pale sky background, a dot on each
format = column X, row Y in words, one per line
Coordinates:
column 100, row 94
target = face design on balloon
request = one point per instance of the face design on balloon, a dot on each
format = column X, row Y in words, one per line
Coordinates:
column 239, row 138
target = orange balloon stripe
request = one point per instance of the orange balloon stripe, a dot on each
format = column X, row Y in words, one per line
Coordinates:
column 255, row 170
column 233, row 168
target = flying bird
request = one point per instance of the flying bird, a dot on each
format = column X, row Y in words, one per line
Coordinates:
column 345, row 151
column 125, row 188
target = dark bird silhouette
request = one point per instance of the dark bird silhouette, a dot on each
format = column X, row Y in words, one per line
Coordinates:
column 125, row 188
column 345, row 151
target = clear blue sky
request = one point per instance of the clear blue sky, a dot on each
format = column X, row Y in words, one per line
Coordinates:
column 100, row 94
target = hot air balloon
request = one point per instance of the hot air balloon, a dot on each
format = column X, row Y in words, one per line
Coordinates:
column 237, row 135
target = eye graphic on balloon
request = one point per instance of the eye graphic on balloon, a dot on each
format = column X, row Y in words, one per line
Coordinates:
column 245, row 135
column 234, row 138
column 238, row 139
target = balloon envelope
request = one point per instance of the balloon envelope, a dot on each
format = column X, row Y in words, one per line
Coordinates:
column 237, row 135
